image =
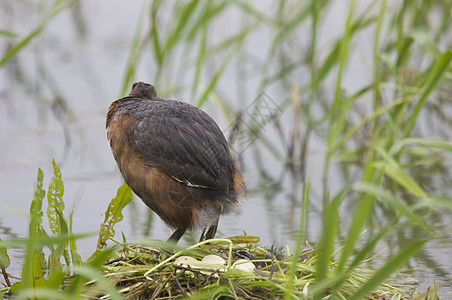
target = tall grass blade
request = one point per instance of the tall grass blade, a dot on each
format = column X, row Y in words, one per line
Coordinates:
column 388, row 269
column 393, row 202
column 396, row 173
column 219, row 72
column 333, row 58
column 368, row 248
column 427, row 42
column 14, row 50
column 8, row 33
column 328, row 238
column 44, row 241
column 134, row 54
column 40, row 293
column 437, row 71
column 206, row 17
column 200, row 59
column 304, row 208
column 299, row 241
column 333, row 126
column 437, row 144
column 363, row 209
column 377, row 76
column 56, row 8
column 342, row 59
column 184, row 12
column 361, row 255
column 374, row 115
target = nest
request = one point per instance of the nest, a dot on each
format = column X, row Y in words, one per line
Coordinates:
column 218, row 269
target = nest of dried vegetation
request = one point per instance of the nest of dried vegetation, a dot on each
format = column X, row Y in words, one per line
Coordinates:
column 230, row 268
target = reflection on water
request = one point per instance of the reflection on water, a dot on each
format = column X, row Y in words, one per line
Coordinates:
column 55, row 94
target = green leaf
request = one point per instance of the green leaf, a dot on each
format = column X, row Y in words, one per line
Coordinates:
column 8, row 33
column 15, row 287
column 76, row 258
column 55, row 200
column 36, row 207
column 61, row 247
column 113, row 214
column 393, row 169
column 56, row 279
column 38, row 276
column 432, row 143
column 4, row 258
column 54, row 263
column 31, row 268
column 433, row 292
column 100, row 257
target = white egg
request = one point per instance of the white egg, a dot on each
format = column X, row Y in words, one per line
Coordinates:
column 184, row 261
column 244, row 265
column 213, row 259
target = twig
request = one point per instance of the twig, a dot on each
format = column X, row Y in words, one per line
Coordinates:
column 176, row 279
column 5, row 275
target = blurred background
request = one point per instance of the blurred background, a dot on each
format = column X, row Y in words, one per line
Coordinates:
column 275, row 77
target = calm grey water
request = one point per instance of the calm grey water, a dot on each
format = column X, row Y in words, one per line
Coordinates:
column 79, row 60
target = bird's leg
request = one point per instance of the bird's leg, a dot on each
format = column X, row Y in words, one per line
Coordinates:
column 212, row 231
column 210, row 234
column 177, row 234
column 203, row 235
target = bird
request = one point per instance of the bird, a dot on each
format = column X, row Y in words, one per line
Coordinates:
column 175, row 158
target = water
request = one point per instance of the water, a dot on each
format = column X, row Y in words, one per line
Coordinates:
column 53, row 103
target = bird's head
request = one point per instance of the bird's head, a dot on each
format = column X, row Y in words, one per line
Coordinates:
column 143, row 90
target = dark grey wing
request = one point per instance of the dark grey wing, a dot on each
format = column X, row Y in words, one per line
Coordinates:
column 184, row 142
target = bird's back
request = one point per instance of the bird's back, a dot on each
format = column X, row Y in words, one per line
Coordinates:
column 180, row 139
column 175, row 158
